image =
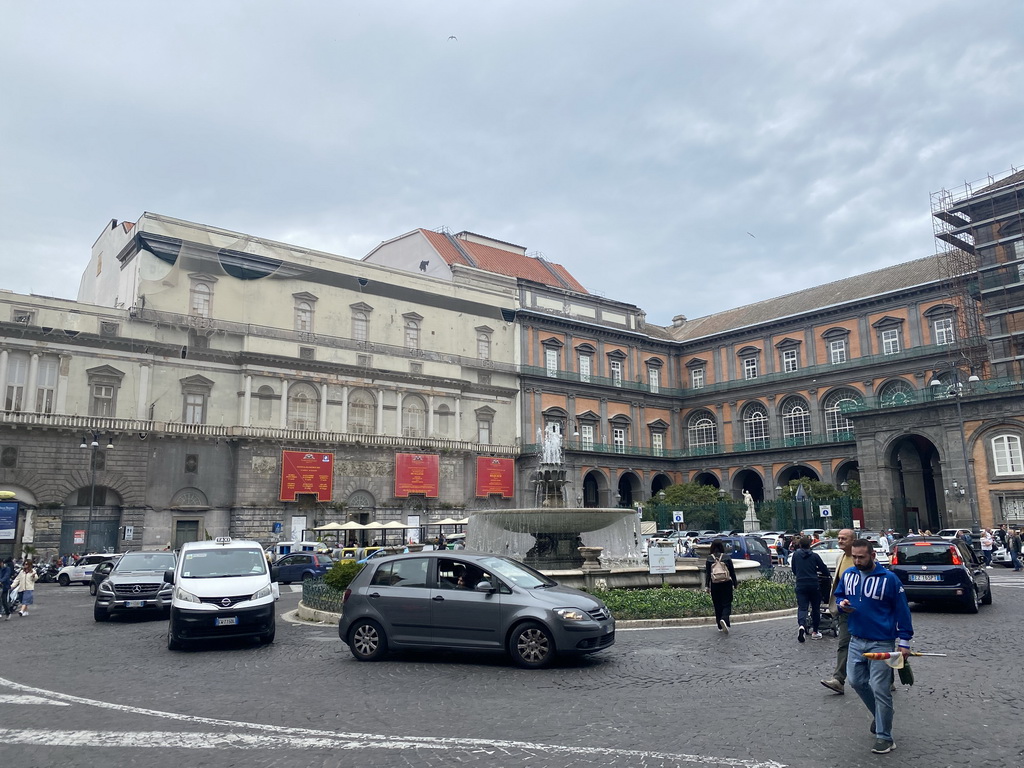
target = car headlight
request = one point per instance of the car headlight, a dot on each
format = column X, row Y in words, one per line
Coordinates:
column 106, row 588
column 571, row 614
column 185, row 597
column 267, row 590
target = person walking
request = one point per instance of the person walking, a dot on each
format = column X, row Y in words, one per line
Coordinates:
column 1013, row 543
column 6, row 576
column 25, row 583
column 837, row 682
column 720, row 578
column 986, row 546
column 807, row 567
column 879, row 619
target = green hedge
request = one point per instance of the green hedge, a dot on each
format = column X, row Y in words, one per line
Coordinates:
column 677, row 603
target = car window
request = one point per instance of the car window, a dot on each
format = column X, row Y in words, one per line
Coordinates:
column 926, row 554
column 756, row 546
column 218, row 563
column 455, row 574
column 408, row 572
column 303, row 559
column 157, row 562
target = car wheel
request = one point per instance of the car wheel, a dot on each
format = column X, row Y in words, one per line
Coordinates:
column 531, row 646
column 307, row 576
column 92, row 589
column 973, row 601
column 100, row 614
column 987, row 598
column 63, row 579
column 367, row 640
column 267, row 637
column 173, row 643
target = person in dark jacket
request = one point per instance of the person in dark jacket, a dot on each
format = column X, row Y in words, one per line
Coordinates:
column 721, row 591
column 6, row 577
column 807, row 567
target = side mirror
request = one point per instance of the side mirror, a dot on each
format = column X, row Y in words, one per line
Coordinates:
column 483, row 586
column 275, row 573
column 169, row 576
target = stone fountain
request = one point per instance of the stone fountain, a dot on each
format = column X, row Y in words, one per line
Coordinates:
column 550, row 536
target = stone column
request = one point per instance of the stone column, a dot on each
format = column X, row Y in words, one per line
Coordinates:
column 283, row 421
column 430, row 415
column 344, row 409
column 380, row 412
column 322, row 421
column 143, row 396
column 30, row 387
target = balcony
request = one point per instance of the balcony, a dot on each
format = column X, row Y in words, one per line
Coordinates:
column 970, row 389
column 113, row 426
column 599, row 381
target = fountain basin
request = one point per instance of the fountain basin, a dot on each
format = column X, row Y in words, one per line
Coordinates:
column 554, row 520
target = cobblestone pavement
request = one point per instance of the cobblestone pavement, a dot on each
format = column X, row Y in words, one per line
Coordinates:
column 77, row 693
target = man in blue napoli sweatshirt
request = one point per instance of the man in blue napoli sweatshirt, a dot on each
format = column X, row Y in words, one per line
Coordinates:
column 878, row 617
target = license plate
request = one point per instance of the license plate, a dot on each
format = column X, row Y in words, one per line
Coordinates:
column 925, row 577
column 227, row 621
column 134, row 603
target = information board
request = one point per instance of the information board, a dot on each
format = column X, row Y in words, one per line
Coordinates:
column 307, row 473
column 416, row 473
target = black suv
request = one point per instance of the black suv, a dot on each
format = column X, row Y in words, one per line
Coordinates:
column 135, row 584
column 932, row 568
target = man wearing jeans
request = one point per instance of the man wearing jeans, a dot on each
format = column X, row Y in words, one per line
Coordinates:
column 837, row 682
column 878, row 617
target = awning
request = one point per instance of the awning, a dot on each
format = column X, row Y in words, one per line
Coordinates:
column 331, row 527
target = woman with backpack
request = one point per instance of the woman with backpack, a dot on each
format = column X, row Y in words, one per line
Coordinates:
column 720, row 578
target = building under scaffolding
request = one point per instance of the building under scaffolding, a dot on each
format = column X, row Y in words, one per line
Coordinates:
column 979, row 232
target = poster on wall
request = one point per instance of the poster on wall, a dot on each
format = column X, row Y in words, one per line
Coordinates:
column 307, row 472
column 495, row 477
column 8, row 519
column 416, row 473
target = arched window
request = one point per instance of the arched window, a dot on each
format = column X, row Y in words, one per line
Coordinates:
column 755, row 426
column 796, row 421
column 837, row 426
column 895, row 393
column 414, row 416
column 265, row 409
column 303, row 316
column 362, row 413
column 703, row 433
column 412, row 333
column 1007, row 454
column 303, row 407
column 360, row 326
column 200, row 299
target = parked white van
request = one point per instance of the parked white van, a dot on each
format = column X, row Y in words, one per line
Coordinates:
column 222, row 588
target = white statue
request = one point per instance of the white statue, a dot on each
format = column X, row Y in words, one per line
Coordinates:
column 551, row 445
column 749, row 501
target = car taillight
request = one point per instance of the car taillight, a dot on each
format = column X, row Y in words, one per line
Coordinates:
column 956, row 556
column 345, row 597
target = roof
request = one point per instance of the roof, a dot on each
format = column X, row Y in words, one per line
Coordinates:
column 1009, row 181
column 455, row 249
column 885, row 280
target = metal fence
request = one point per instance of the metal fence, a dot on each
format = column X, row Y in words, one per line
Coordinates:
column 320, row 597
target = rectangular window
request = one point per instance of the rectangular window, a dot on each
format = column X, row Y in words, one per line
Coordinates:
column 890, row 341
column 944, row 331
column 17, row 375
column 587, row 437
column 22, row 316
column 585, row 368
column 195, row 408
column 749, row 368
column 615, row 366
column 658, row 443
column 1007, row 454
column 483, row 346
column 790, row 363
column 837, row 351
column 412, row 335
column 551, row 362
column 619, row 439
column 102, row 400
column 483, row 432
column 697, row 378
column 654, row 379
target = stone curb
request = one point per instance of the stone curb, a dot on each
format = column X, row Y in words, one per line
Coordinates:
column 314, row 616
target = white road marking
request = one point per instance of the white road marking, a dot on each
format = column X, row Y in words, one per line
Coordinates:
column 705, row 625
column 161, row 739
column 7, row 698
column 287, row 737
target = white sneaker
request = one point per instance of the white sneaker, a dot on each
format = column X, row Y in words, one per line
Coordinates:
column 989, row 567
column 816, row 635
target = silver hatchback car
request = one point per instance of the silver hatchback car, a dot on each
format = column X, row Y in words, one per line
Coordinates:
column 461, row 600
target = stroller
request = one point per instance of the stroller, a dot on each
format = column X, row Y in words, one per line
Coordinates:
column 827, row 624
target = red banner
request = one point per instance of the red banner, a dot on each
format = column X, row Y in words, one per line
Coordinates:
column 303, row 472
column 416, row 473
column 495, row 476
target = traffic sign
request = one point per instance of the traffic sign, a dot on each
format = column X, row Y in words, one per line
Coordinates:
column 677, row 517
column 825, row 510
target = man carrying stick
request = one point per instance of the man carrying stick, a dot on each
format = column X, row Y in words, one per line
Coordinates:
column 878, row 617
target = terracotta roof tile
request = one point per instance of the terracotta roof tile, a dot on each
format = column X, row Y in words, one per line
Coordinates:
column 444, row 247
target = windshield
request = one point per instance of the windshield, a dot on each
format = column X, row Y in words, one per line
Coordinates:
column 521, row 575
column 158, row 562
column 223, row 563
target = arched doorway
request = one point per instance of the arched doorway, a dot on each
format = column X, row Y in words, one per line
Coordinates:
column 916, row 474
column 659, row 483
column 707, row 478
column 595, row 489
column 796, row 472
column 748, row 480
column 629, row 490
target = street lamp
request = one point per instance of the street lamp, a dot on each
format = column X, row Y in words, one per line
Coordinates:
column 92, row 444
column 956, row 390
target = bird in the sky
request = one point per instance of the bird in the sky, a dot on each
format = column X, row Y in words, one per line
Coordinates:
column 751, row 235
column 453, row 37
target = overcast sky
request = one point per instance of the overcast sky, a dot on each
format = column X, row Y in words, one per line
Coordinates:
column 687, row 157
